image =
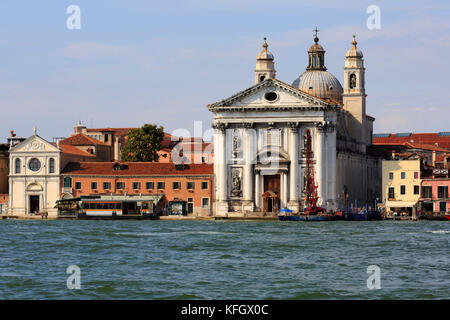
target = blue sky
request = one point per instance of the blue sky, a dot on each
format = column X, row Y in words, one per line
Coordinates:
column 136, row 62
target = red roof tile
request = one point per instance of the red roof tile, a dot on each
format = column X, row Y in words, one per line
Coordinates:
column 82, row 140
column 135, row 168
column 426, row 138
column 69, row 149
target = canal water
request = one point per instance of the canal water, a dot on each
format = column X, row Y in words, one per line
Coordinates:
column 224, row 259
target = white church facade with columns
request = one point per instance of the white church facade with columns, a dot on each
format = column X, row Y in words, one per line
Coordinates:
column 260, row 137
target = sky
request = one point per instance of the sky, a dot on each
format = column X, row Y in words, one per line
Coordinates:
column 135, row 62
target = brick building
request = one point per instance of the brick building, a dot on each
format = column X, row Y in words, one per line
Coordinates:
column 189, row 185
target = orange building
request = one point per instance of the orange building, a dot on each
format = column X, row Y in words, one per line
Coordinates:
column 188, row 187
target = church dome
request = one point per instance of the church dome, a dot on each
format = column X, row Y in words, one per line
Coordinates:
column 316, row 80
column 319, row 83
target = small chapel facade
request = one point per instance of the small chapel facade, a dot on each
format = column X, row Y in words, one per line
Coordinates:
column 261, row 134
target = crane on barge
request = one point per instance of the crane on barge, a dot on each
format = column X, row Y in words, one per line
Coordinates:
column 311, row 198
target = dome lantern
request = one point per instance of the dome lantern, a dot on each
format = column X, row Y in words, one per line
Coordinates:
column 316, row 55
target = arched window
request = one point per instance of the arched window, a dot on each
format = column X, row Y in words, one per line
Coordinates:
column 261, row 78
column 17, row 166
column 67, row 182
column 51, row 165
column 314, row 61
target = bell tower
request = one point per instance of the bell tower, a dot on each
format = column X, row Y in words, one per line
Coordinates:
column 265, row 66
column 354, row 96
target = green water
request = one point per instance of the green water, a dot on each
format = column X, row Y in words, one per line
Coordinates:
column 224, row 259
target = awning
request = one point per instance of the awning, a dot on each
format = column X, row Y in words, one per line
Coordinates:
column 400, row 204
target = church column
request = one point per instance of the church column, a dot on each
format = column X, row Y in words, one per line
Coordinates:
column 321, row 162
column 331, row 170
column 284, row 189
column 248, row 149
column 257, row 189
column 221, row 168
column 293, row 169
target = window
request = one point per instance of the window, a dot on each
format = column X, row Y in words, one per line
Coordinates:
column 205, row 202
column 203, row 160
column 17, row 165
column 51, row 165
column 136, row 185
column 161, row 185
column 106, row 185
column 391, row 194
column 402, row 189
column 416, row 189
column 403, row 175
column 94, row 185
column 34, row 165
column 391, row 175
column 416, row 175
column 190, row 185
column 427, row 192
column 443, row 206
column 78, row 185
column 149, row 185
column 120, row 185
column 67, row 182
column 204, row 185
column 106, row 137
column 442, row 192
column 190, row 199
column 176, row 185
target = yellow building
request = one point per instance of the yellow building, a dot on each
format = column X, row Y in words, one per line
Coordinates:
column 401, row 184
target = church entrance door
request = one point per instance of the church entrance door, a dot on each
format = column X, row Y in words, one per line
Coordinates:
column 34, row 204
column 271, row 186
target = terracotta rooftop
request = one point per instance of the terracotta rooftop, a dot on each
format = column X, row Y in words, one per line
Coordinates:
column 443, row 141
column 135, row 168
column 69, row 149
column 82, row 140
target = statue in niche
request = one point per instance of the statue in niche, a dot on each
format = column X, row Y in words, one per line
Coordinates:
column 352, row 81
column 236, row 183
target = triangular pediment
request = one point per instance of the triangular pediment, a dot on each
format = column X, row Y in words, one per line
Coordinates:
column 271, row 93
column 34, row 144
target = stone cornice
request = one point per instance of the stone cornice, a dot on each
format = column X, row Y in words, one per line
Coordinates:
column 316, row 103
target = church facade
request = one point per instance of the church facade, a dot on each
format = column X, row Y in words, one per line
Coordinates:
column 262, row 133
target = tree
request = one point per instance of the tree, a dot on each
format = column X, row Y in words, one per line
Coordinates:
column 143, row 144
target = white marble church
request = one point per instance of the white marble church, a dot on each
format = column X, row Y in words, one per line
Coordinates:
column 260, row 134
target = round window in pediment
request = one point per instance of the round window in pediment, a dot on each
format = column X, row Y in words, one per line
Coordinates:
column 271, row 96
column 34, row 165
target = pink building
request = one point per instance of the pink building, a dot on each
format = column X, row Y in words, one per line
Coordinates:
column 435, row 196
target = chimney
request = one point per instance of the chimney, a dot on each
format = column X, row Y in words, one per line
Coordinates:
column 12, row 133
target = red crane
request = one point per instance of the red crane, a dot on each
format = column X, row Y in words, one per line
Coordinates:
column 310, row 185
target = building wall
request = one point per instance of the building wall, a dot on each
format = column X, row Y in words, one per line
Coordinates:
column 197, row 194
column 435, row 183
column 4, row 171
column 396, row 167
column 358, row 178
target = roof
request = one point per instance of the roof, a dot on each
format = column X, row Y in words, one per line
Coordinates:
column 135, row 168
column 81, row 139
column 443, row 141
column 117, row 131
column 69, row 149
column 226, row 103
